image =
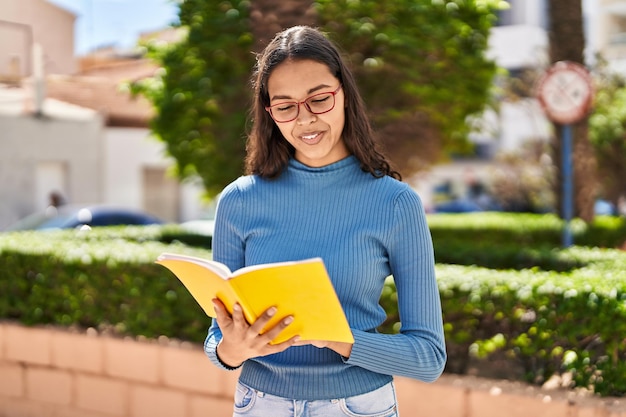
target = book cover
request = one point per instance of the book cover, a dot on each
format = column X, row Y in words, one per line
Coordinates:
column 300, row 288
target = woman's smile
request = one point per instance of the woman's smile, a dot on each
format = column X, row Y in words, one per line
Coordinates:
column 312, row 138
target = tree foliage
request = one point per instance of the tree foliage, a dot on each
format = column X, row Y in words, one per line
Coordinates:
column 607, row 131
column 421, row 66
column 201, row 94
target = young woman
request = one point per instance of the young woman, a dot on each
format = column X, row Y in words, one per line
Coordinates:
column 318, row 187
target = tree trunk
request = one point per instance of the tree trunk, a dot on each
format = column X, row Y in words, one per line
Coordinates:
column 613, row 172
column 566, row 44
column 271, row 16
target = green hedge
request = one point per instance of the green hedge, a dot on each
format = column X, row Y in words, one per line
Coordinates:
column 509, row 292
column 523, row 230
column 518, row 241
column 105, row 278
column 545, row 322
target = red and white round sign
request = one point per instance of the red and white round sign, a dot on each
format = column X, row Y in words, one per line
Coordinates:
column 565, row 92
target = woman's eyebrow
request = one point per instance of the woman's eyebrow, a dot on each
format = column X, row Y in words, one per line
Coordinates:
column 309, row 91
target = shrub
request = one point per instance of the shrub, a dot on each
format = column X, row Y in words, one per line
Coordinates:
column 540, row 320
column 104, row 278
column 509, row 292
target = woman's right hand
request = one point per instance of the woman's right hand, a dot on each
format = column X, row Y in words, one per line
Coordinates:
column 242, row 341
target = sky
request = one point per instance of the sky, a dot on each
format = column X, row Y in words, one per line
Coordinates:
column 120, row 22
column 116, row 22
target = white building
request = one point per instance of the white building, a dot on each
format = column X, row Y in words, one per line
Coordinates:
column 23, row 22
column 607, row 29
column 98, row 149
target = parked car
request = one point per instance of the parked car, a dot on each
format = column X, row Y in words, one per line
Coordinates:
column 603, row 207
column 74, row 216
column 458, row 206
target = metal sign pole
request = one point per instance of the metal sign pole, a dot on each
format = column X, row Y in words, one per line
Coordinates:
column 568, row 185
column 566, row 92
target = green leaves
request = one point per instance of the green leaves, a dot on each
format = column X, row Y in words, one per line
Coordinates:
column 420, row 65
column 202, row 93
column 541, row 319
column 607, row 131
column 105, row 279
column 547, row 311
column 434, row 49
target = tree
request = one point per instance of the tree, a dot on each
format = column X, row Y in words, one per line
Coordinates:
column 566, row 44
column 422, row 69
column 267, row 17
column 420, row 64
column 201, row 92
column 522, row 181
column 607, row 131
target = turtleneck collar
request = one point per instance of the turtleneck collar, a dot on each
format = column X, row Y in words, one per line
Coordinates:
column 299, row 167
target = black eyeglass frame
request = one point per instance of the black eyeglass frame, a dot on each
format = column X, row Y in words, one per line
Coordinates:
column 298, row 103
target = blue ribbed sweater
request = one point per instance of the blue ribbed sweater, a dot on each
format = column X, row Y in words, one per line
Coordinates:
column 365, row 229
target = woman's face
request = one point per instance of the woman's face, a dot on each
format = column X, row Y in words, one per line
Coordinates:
column 316, row 137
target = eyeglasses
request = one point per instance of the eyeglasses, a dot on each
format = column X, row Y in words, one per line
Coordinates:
column 288, row 111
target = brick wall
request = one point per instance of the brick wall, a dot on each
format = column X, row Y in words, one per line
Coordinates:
column 49, row 372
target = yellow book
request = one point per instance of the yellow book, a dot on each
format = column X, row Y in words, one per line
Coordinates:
column 301, row 289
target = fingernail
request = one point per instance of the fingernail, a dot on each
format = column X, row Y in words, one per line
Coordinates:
column 237, row 307
column 288, row 320
column 271, row 311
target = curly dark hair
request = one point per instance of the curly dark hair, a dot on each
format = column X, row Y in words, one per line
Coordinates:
column 267, row 150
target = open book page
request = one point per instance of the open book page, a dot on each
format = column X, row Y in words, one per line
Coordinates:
column 217, row 267
column 273, row 265
column 203, row 279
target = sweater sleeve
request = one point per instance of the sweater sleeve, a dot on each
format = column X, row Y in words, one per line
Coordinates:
column 418, row 351
column 228, row 248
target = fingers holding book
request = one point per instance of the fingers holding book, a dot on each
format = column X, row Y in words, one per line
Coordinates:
column 242, row 340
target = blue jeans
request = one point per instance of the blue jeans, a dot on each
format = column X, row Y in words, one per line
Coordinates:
column 378, row 403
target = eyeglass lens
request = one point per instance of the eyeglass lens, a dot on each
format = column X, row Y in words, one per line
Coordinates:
column 316, row 104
